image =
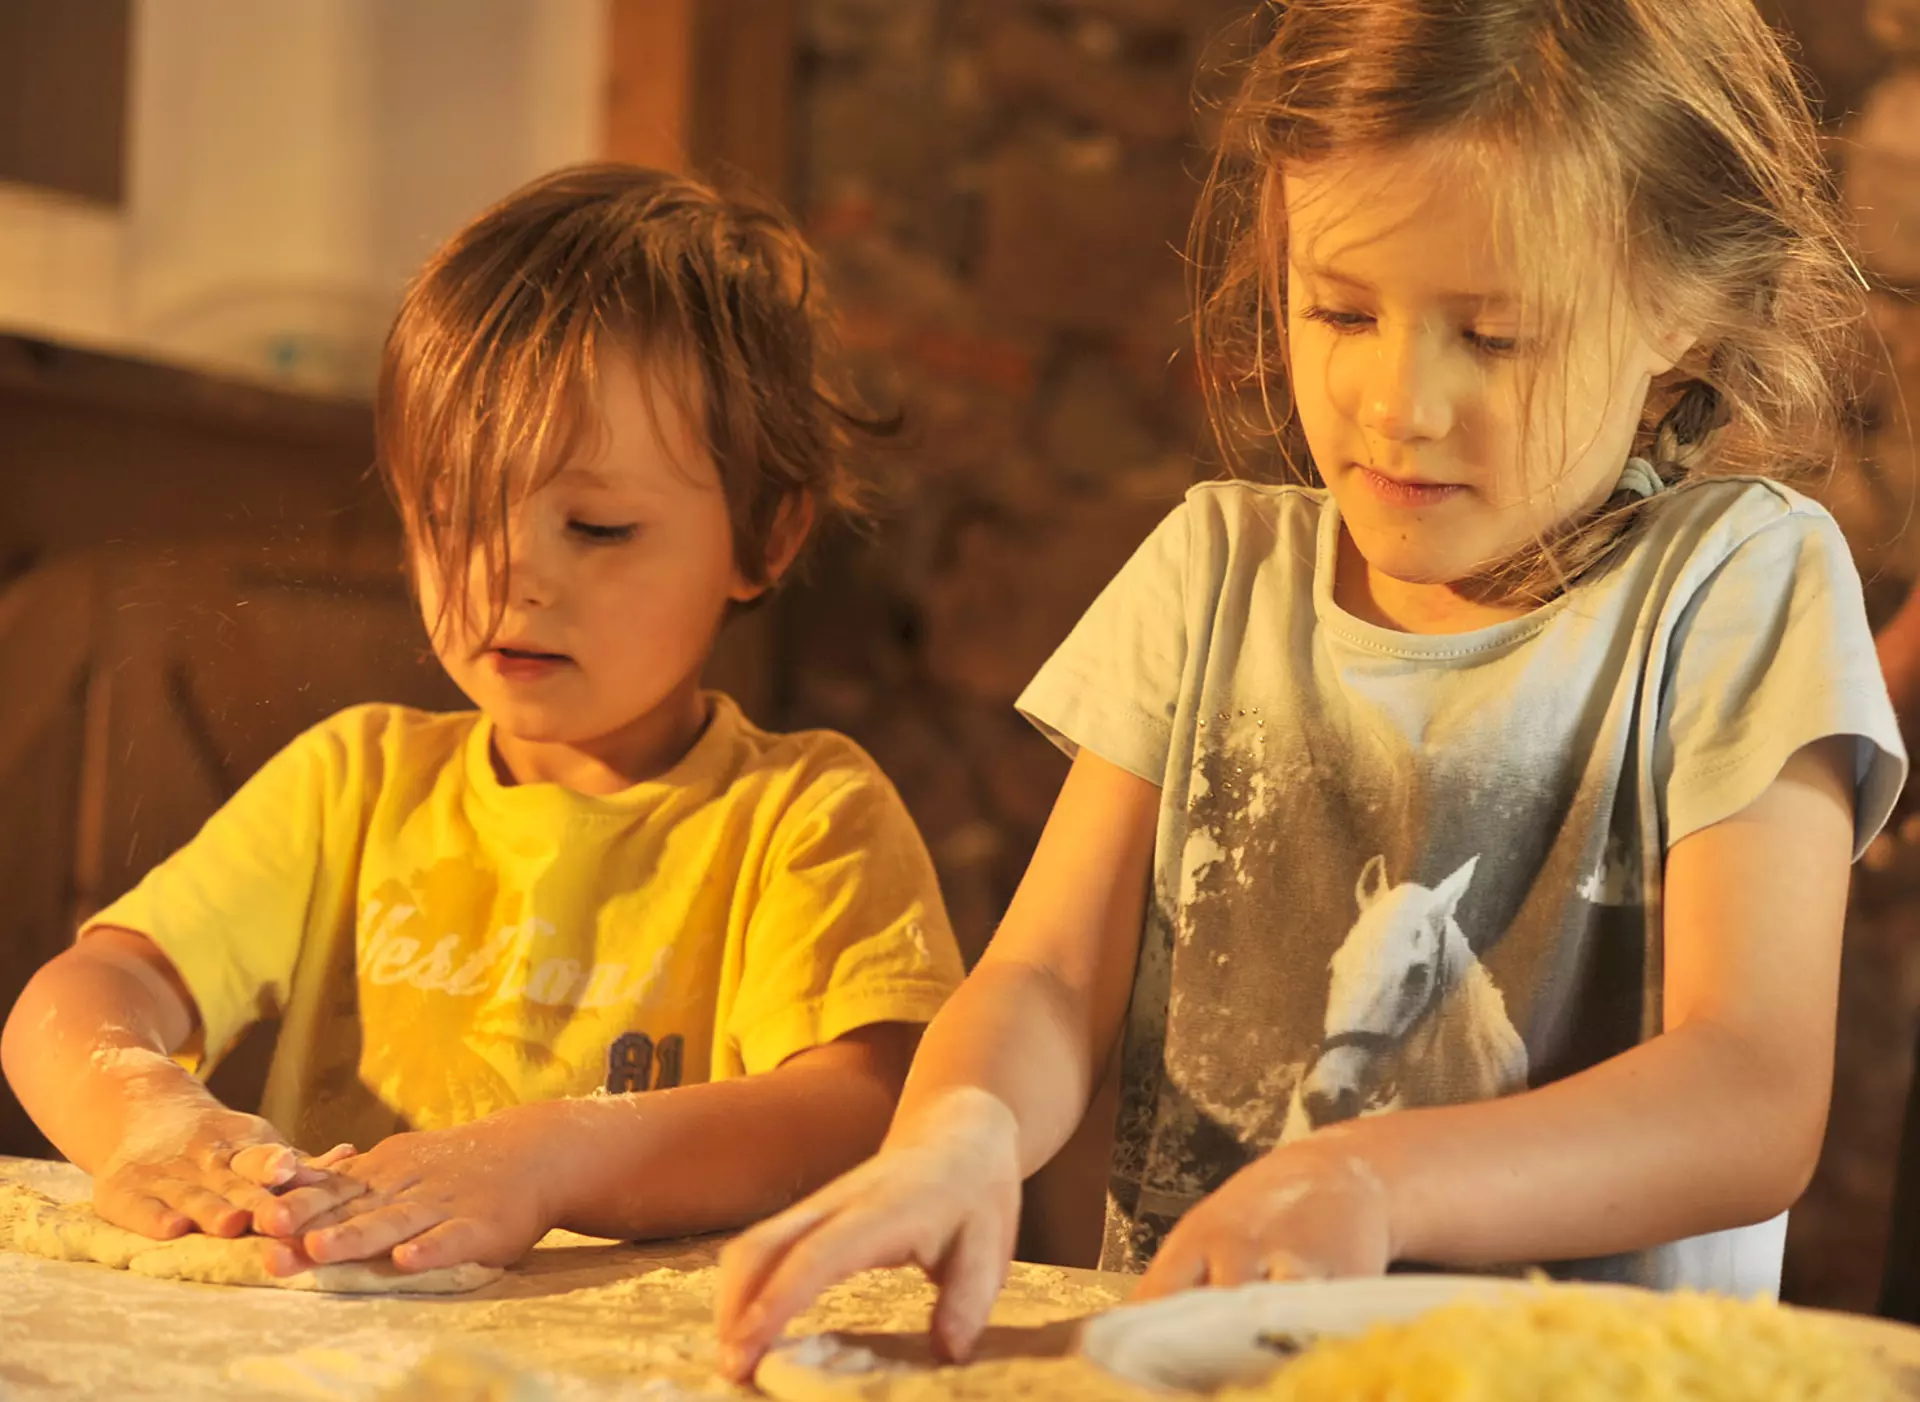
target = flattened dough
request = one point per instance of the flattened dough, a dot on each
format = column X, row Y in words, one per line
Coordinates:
column 39, row 1225
column 1009, row 1364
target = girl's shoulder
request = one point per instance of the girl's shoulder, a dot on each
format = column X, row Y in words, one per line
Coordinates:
column 1738, row 506
column 1235, row 498
column 1702, row 524
column 1229, row 517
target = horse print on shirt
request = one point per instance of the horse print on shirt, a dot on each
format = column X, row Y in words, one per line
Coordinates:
column 1413, row 1018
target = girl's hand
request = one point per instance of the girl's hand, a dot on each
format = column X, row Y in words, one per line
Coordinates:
column 479, row 1193
column 189, row 1162
column 943, row 1194
column 1304, row 1211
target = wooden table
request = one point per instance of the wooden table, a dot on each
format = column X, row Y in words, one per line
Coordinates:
column 586, row 1318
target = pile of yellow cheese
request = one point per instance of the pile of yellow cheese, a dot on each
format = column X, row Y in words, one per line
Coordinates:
column 1573, row 1345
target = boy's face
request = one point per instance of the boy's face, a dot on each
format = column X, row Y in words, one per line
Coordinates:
column 621, row 570
column 1448, row 433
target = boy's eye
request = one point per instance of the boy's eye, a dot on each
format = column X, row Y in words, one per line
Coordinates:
column 1344, row 322
column 601, row 535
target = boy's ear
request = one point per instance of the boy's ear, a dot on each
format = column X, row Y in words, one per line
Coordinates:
column 792, row 524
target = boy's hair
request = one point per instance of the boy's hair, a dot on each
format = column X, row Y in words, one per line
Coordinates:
column 1675, row 132
column 489, row 380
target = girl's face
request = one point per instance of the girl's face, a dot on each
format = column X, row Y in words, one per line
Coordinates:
column 1451, row 434
column 622, row 567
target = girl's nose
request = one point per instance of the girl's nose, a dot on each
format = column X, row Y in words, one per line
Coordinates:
column 1402, row 396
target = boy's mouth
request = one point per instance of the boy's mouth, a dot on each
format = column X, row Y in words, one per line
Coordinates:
column 526, row 662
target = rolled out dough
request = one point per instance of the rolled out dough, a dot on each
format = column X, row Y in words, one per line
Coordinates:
column 39, row 1225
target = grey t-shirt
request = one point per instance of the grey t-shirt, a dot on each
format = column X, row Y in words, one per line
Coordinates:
column 1398, row 869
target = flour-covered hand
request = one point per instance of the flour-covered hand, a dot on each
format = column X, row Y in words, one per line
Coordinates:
column 185, row 1162
column 1303, row 1211
column 477, row 1193
column 942, row 1194
column 189, row 1163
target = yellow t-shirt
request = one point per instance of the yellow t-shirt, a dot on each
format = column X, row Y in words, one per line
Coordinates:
column 439, row 945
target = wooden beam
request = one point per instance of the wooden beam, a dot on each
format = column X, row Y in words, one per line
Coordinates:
column 740, row 114
column 649, row 82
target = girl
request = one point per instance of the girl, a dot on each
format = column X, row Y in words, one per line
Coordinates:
column 1504, row 774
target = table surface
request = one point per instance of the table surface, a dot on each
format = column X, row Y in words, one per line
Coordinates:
column 580, row 1318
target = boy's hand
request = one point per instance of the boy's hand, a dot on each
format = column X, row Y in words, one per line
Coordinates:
column 184, row 1164
column 942, row 1194
column 1304, row 1211
column 478, row 1193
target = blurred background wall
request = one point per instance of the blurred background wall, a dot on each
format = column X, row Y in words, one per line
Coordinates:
column 287, row 165
column 207, row 210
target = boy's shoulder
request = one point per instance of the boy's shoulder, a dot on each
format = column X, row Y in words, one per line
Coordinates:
column 791, row 777
column 383, row 726
column 813, row 759
column 367, row 746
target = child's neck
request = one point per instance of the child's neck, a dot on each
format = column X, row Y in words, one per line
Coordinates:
column 644, row 749
column 1385, row 602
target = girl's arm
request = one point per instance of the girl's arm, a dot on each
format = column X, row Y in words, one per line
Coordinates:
column 1002, row 1078
column 1033, row 1024
column 1714, row 1124
column 88, row 1051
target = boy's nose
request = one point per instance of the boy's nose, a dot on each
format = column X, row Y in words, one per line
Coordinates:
column 530, row 574
column 1402, row 398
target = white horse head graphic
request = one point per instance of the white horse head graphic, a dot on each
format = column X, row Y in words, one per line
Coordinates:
column 1412, row 1016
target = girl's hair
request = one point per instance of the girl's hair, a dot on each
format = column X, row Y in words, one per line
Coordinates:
column 1675, row 131
column 489, row 380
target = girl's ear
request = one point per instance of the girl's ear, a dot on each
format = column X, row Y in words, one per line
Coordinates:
column 792, row 524
column 1671, row 345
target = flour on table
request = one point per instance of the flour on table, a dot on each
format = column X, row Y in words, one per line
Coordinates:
column 41, row 1225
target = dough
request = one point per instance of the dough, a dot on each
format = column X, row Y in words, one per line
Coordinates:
column 39, row 1225
column 1008, row 1364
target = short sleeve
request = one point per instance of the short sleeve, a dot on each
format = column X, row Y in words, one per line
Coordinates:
column 849, row 929
column 1113, row 686
column 230, row 908
column 1773, row 653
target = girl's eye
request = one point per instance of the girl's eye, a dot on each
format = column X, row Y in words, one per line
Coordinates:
column 1344, row 322
column 1493, row 345
column 601, row 535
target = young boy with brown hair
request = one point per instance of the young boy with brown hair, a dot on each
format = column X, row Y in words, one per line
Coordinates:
column 609, row 416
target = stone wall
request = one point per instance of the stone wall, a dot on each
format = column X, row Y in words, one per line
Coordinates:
column 1000, row 187
column 1866, row 54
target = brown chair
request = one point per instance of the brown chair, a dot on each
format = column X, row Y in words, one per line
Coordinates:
column 1900, row 1283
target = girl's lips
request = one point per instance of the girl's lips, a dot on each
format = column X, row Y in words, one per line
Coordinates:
column 1398, row 493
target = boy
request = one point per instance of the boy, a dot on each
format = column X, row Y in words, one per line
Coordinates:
column 599, row 954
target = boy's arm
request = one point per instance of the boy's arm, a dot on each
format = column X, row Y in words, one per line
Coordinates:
column 1714, row 1124
column 651, row 1164
column 708, row 1157
column 88, row 1051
